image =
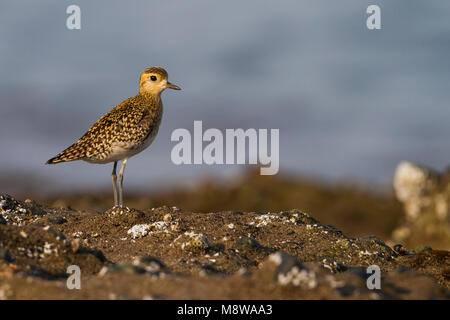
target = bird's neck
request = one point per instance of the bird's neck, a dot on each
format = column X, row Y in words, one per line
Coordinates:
column 151, row 98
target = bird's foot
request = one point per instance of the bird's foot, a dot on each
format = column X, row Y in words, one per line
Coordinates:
column 124, row 209
column 117, row 209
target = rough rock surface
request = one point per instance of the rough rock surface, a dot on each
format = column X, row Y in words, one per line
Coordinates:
column 167, row 253
column 425, row 195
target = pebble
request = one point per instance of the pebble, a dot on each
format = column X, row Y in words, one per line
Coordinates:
column 332, row 265
column 291, row 271
column 248, row 242
column 5, row 255
column 57, row 220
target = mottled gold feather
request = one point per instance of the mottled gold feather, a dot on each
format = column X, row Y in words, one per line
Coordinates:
column 130, row 123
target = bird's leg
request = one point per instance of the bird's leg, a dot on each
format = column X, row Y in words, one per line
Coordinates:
column 122, row 169
column 114, row 181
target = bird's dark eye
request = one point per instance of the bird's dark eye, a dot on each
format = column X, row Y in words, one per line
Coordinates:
column 153, row 78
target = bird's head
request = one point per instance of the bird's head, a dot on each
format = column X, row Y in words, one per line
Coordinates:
column 154, row 80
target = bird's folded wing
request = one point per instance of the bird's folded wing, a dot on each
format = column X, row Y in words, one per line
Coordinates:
column 126, row 124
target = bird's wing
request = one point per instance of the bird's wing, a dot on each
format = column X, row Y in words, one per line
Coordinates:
column 128, row 123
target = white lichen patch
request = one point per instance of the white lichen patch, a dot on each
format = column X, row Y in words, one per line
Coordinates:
column 50, row 248
column 18, row 213
column 331, row 265
column 265, row 219
column 159, row 226
column 367, row 253
column 141, row 230
column 138, row 231
column 276, row 258
column 77, row 234
column 39, row 252
column 298, row 277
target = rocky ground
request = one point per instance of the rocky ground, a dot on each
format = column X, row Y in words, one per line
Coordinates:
column 169, row 253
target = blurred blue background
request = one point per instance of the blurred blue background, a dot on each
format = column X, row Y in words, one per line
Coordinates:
column 350, row 103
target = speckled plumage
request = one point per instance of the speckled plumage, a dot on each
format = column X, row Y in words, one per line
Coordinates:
column 119, row 133
column 124, row 131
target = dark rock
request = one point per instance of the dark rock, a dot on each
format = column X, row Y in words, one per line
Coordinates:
column 5, row 255
column 56, row 233
column 57, row 220
column 398, row 249
column 346, row 290
column 241, row 260
column 332, row 265
column 248, row 243
column 403, row 269
column 359, row 271
column 373, row 239
column 208, row 269
column 151, row 264
column 401, row 251
column 96, row 253
column 287, row 262
column 122, row 268
column 9, row 203
column 291, row 271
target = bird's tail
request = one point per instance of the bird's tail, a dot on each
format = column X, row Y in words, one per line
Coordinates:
column 72, row 153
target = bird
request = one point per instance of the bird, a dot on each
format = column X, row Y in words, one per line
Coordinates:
column 124, row 131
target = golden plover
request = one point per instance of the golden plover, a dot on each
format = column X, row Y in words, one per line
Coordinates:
column 124, row 131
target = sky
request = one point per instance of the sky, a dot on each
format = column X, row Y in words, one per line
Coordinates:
column 349, row 103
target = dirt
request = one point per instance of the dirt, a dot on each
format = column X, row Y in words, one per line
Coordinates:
column 171, row 253
column 355, row 209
